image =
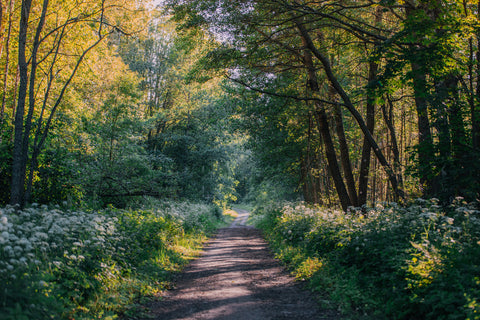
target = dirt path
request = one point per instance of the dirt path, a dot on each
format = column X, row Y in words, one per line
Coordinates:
column 237, row 279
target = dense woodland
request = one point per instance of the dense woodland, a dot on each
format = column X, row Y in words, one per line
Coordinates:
column 335, row 102
column 98, row 107
column 359, row 106
column 377, row 100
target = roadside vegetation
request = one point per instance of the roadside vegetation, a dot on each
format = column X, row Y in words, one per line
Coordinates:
column 415, row 262
column 63, row 264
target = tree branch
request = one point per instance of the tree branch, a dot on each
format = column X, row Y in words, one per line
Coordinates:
column 280, row 95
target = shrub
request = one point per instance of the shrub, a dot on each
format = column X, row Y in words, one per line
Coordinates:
column 415, row 262
column 81, row 264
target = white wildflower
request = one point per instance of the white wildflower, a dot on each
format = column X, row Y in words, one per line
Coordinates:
column 24, row 242
column 25, row 214
column 8, row 250
column 429, row 215
column 41, row 235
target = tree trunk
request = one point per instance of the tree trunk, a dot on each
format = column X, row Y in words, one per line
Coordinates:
column 18, row 172
column 345, row 156
column 2, row 10
column 389, row 121
column 367, row 148
column 455, row 117
column 425, row 141
column 308, row 180
column 351, row 108
column 440, row 121
column 324, row 128
column 32, row 102
column 472, row 99
column 322, row 122
column 40, row 137
column 7, row 66
column 475, row 110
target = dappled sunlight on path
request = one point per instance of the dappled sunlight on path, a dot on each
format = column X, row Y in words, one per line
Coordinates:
column 242, row 218
column 237, row 278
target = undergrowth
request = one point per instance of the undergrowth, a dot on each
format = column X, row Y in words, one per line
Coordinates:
column 415, row 262
column 57, row 264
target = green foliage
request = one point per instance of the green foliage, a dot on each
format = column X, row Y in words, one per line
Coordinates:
column 55, row 181
column 276, row 140
column 186, row 118
column 85, row 265
column 418, row 262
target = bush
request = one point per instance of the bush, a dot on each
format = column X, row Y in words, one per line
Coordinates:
column 415, row 262
column 84, row 265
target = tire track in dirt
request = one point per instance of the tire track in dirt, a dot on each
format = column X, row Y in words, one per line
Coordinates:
column 237, row 279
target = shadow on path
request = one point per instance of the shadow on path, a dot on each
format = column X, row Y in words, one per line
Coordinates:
column 237, row 278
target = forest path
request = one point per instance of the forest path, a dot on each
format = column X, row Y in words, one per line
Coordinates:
column 237, row 279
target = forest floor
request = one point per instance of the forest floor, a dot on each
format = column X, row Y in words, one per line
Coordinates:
column 237, row 278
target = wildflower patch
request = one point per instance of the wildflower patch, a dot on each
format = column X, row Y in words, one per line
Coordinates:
column 388, row 262
column 93, row 264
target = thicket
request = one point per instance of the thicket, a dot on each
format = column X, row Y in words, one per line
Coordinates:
column 416, row 262
column 66, row 264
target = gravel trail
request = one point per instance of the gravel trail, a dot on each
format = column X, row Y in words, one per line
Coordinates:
column 237, row 279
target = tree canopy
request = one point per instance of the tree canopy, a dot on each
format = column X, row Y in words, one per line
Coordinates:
column 334, row 102
column 401, row 76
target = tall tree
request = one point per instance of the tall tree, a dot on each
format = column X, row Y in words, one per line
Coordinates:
column 50, row 35
column 407, row 51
